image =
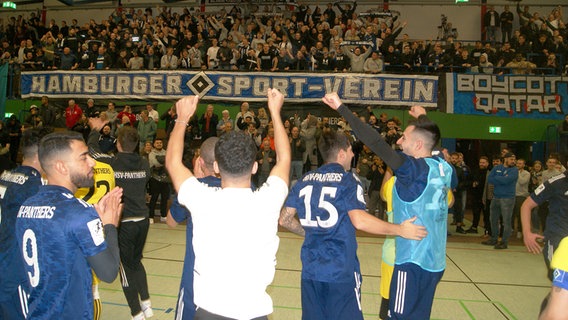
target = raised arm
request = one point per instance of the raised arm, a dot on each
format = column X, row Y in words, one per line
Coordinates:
column 368, row 135
column 185, row 108
column 281, row 142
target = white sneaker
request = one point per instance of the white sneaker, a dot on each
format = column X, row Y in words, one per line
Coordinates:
column 146, row 306
column 163, row 219
column 151, row 220
column 139, row 316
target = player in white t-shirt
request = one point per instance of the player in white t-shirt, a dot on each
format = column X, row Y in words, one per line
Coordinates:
column 234, row 228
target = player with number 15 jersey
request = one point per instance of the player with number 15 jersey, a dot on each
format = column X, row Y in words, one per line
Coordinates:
column 323, row 199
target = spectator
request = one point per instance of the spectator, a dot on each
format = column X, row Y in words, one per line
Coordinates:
column 102, row 60
column 506, row 21
column 463, row 62
column 308, row 131
column 82, row 126
column 520, row 66
column 122, row 60
column 152, row 113
column 300, row 63
column 266, row 59
column 224, row 55
column 159, row 184
column 68, row 60
column 505, row 55
column 107, row 142
column 34, row 119
column 283, row 60
column 391, row 133
column 225, row 123
column 521, row 194
column 47, row 112
column 438, row 59
column 551, row 65
column 151, row 60
column 478, row 204
column 357, row 58
column 136, row 62
column 212, row 59
column 373, row 64
column 208, row 123
column 491, row 21
column 484, row 66
column 91, row 111
column 169, row 61
column 146, row 128
column 504, row 179
column 72, row 114
column 14, row 130
column 184, row 60
column 127, row 111
column 111, row 114
column 522, row 46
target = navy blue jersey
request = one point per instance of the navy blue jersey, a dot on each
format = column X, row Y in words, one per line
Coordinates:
column 322, row 199
column 554, row 190
column 15, row 187
column 185, row 306
column 56, row 233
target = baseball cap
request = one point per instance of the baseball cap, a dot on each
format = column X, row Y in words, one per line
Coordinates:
column 508, row 155
column 33, row 106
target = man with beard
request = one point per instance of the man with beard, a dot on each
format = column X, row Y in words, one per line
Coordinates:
column 62, row 237
column 477, row 186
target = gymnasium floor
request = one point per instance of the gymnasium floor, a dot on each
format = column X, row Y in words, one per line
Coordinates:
column 479, row 282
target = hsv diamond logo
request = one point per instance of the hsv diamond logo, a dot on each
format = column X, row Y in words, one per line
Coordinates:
column 200, row 84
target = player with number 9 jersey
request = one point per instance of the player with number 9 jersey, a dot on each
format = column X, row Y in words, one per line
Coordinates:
column 55, row 239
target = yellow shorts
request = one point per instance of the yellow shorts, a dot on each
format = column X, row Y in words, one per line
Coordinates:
column 386, row 276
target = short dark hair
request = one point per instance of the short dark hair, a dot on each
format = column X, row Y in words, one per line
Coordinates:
column 235, row 153
column 330, row 143
column 428, row 129
column 57, row 143
column 128, row 138
column 30, row 141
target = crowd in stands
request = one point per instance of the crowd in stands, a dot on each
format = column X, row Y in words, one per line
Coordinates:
column 334, row 37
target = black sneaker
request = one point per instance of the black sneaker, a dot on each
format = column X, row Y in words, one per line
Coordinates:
column 501, row 245
column 471, row 230
column 459, row 229
column 489, row 242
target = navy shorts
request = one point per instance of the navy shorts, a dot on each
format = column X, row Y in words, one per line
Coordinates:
column 332, row 300
column 412, row 292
